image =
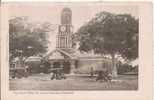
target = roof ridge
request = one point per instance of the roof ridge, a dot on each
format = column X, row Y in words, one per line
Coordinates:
column 65, row 52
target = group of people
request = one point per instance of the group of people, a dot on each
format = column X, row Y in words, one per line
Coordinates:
column 21, row 72
column 101, row 75
column 58, row 74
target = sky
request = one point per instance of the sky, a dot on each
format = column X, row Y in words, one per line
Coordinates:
column 81, row 13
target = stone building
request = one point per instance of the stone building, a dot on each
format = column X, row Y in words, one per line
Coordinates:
column 71, row 60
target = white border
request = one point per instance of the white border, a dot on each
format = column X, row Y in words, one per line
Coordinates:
column 145, row 71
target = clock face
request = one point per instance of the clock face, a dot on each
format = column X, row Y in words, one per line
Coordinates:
column 62, row 28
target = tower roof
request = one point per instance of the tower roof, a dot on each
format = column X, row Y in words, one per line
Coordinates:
column 66, row 16
column 66, row 9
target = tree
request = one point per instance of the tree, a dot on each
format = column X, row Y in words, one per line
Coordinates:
column 113, row 34
column 25, row 38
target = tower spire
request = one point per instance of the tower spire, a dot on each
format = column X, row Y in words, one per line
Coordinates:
column 66, row 16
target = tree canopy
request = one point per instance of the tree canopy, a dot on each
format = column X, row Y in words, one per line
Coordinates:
column 109, row 33
column 25, row 38
column 112, row 34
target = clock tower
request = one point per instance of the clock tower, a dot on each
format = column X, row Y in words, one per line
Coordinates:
column 65, row 30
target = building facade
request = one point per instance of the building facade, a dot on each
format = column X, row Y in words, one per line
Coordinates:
column 71, row 60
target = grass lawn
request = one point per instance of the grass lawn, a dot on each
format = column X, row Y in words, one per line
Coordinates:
column 43, row 82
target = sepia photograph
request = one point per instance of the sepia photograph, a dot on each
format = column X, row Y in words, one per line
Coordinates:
column 76, row 50
column 73, row 47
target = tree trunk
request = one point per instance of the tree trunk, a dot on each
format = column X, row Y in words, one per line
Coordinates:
column 114, row 67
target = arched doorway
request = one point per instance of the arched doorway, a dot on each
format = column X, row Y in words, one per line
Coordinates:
column 67, row 67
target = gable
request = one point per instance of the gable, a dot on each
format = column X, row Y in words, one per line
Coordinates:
column 59, row 54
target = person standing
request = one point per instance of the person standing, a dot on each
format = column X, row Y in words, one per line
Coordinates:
column 14, row 74
column 91, row 72
column 55, row 74
column 100, row 75
column 26, row 70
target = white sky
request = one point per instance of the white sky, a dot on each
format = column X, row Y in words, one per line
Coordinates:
column 81, row 13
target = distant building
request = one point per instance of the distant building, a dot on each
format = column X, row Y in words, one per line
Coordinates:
column 71, row 60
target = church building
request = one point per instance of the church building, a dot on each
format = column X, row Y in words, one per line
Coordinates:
column 71, row 60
